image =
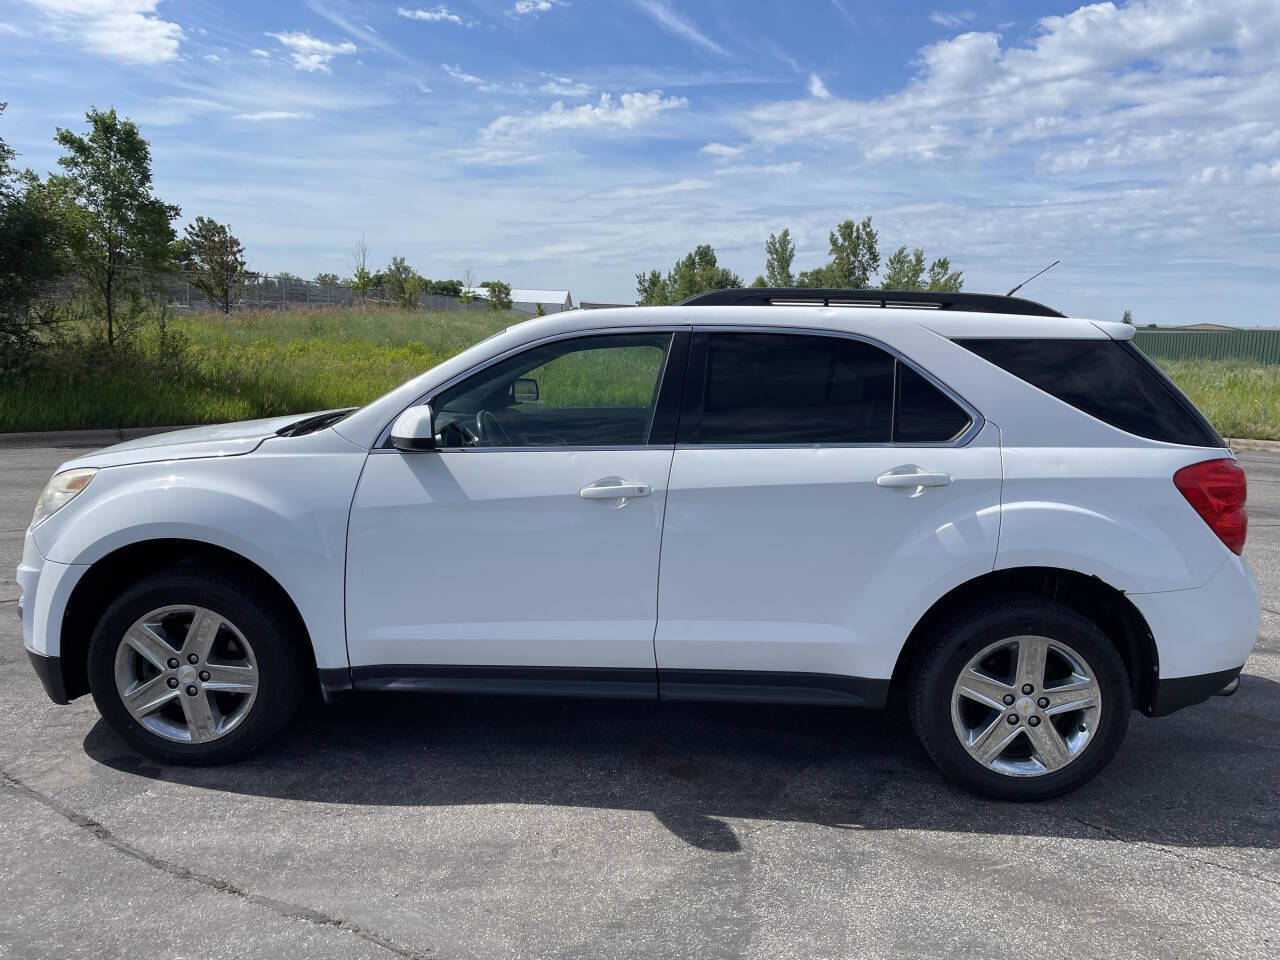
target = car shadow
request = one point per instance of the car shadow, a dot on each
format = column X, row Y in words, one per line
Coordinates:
column 1205, row 777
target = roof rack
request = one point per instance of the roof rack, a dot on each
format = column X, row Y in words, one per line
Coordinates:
column 907, row 299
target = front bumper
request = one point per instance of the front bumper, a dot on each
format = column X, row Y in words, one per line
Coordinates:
column 49, row 670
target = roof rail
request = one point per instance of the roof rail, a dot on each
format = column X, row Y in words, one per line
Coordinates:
column 908, row 299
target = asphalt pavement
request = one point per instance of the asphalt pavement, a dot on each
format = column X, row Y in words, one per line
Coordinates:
column 432, row 826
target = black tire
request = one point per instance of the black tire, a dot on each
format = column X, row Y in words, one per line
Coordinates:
column 267, row 628
column 949, row 650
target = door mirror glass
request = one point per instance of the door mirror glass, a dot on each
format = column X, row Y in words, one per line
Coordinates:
column 524, row 390
column 412, row 432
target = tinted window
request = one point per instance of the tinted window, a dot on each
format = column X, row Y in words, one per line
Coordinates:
column 924, row 413
column 1110, row 380
column 587, row 391
column 791, row 388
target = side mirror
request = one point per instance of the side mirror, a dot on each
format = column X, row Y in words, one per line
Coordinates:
column 412, row 432
column 524, row 390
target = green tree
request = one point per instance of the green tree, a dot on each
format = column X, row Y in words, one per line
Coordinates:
column 444, row 288
column 214, row 260
column 499, row 294
column 402, row 283
column 32, row 252
column 696, row 273
column 120, row 232
column 942, row 278
column 1128, row 317
column 855, row 254
column 904, row 271
column 330, row 279
column 779, row 252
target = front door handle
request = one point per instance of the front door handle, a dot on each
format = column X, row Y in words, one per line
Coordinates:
column 912, row 476
column 614, row 488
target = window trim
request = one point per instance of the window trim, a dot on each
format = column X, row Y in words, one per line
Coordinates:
column 677, row 349
column 696, row 377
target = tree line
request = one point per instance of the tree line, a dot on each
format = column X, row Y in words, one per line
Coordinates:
column 98, row 224
column 854, row 264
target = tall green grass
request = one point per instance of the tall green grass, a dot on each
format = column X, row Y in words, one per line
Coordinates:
column 1241, row 399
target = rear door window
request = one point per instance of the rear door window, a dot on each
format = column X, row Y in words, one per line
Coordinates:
column 1108, row 379
column 923, row 413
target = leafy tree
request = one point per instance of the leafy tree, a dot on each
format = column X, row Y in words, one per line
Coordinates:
column 1128, row 317
column 779, row 254
column 855, row 254
column 402, row 283
column 759, row 281
column 287, row 275
column 904, row 271
column 120, row 233
column 696, row 273
column 214, row 259
column 362, row 279
column 499, row 294
column 942, row 278
column 32, row 251
column 330, row 279
column 444, row 288
column 538, row 310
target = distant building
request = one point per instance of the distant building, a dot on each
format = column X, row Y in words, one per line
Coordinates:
column 528, row 299
column 1201, row 326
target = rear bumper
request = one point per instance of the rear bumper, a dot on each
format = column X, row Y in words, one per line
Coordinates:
column 1202, row 633
column 49, row 670
column 1174, row 693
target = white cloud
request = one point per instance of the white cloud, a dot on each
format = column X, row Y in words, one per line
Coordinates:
column 311, row 53
column 259, row 52
column 790, row 167
column 565, row 87
column 525, row 8
column 440, row 14
column 1102, row 87
column 672, row 22
column 817, row 88
column 626, row 113
column 125, row 30
column 261, row 115
column 211, row 58
column 722, row 150
column 470, row 79
column 647, row 190
column 951, row 20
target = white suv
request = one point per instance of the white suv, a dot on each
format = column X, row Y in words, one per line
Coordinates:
column 1006, row 518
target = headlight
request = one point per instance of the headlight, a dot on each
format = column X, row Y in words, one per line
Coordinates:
column 58, row 492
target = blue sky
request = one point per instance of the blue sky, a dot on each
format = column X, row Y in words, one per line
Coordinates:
column 571, row 144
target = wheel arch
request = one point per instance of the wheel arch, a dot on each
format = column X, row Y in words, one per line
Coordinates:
column 114, row 571
column 1109, row 608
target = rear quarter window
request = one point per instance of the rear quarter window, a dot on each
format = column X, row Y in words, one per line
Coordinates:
column 1108, row 379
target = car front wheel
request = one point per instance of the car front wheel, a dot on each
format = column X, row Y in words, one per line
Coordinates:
column 194, row 665
column 1021, row 699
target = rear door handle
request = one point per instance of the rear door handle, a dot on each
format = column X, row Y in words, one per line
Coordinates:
column 912, row 476
column 614, row 488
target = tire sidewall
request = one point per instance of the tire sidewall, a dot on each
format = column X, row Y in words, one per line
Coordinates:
column 257, row 621
column 936, row 680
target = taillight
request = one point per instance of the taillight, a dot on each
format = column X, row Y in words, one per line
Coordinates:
column 1217, row 490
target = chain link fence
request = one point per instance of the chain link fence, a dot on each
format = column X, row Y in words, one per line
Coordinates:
column 261, row 291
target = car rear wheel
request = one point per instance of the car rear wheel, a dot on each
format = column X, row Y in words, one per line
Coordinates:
column 1021, row 700
column 195, row 666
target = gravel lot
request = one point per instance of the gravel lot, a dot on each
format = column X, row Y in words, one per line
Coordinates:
column 417, row 826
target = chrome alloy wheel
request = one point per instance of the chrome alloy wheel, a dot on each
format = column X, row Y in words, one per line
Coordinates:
column 1026, row 706
column 186, row 674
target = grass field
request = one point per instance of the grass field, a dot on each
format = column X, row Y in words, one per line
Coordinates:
column 280, row 362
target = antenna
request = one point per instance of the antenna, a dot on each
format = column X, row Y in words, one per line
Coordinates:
column 1032, row 277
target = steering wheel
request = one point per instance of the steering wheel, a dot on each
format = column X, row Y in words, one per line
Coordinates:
column 490, row 431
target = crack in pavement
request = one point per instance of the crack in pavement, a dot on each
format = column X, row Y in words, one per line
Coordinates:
column 1170, row 851
column 289, row 911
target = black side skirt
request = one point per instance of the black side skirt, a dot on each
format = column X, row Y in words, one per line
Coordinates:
column 747, row 686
